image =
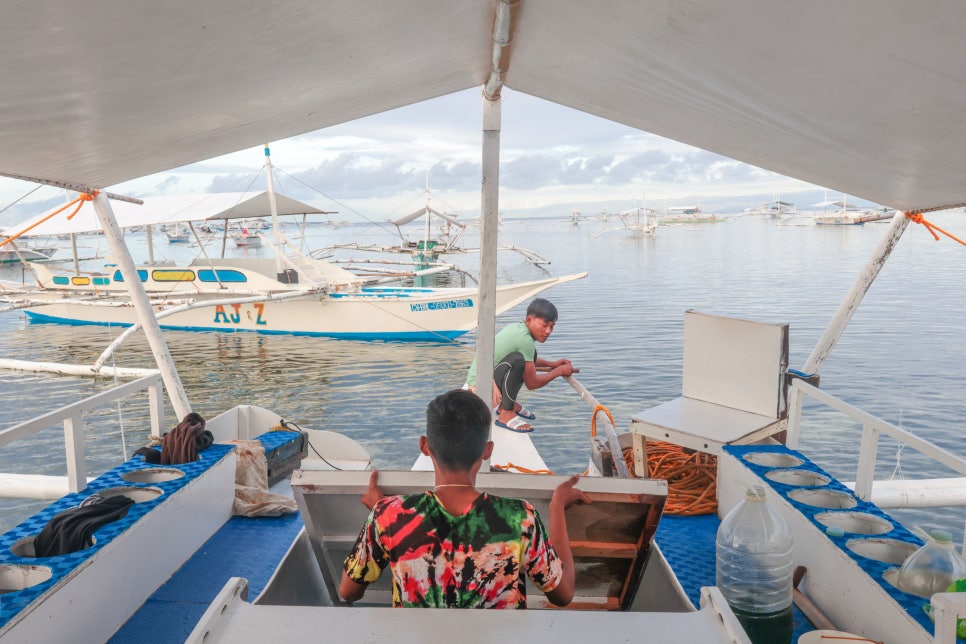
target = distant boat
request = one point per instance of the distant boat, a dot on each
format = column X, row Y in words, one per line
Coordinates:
column 26, row 254
column 245, row 239
column 850, row 215
column 641, row 221
column 178, row 235
column 688, row 215
column 775, row 209
column 575, row 217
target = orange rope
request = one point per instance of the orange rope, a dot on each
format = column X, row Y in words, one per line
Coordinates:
column 593, row 420
column 690, row 475
column 917, row 217
column 518, row 468
column 79, row 201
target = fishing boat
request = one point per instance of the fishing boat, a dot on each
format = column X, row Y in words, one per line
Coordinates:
column 178, row 234
column 775, row 209
column 179, row 567
column 293, row 293
column 440, row 234
column 640, row 222
column 843, row 213
column 26, row 255
column 687, row 215
column 15, row 253
column 247, row 239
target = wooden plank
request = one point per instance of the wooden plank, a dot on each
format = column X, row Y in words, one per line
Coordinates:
column 640, row 455
column 578, row 603
column 601, row 549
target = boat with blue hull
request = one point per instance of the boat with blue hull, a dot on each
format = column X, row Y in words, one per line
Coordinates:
column 181, row 566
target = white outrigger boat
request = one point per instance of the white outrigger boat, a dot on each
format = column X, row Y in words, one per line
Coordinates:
column 293, row 294
column 180, row 567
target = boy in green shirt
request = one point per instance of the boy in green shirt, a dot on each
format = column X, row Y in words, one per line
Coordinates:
column 516, row 364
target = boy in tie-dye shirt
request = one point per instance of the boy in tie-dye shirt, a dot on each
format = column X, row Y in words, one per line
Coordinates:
column 453, row 546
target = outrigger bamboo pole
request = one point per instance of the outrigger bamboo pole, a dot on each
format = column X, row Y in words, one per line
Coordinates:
column 169, row 374
column 851, row 302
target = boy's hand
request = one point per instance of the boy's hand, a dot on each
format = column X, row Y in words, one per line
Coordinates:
column 373, row 494
column 566, row 494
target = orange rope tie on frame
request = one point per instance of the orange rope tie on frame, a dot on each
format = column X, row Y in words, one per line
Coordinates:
column 917, row 217
column 79, row 202
column 519, row 468
column 593, row 420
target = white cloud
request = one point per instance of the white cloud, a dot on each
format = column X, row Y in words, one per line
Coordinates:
column 549, row 154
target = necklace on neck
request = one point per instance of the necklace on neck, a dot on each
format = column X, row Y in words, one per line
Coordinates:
column 436, row 487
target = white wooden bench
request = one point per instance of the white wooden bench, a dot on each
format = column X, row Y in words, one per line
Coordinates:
column 733, row 389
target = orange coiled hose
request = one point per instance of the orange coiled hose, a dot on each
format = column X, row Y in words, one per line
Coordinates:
column 691, row 477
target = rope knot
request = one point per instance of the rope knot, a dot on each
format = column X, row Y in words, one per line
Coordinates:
column 931, row 227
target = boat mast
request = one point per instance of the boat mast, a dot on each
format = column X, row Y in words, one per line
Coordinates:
column 273, row 206
column 426, row 232
column 139, row 297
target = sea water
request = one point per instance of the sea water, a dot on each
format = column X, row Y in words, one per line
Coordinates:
column 902, row 357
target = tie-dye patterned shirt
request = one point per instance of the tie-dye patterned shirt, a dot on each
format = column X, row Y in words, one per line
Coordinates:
column 440, row 560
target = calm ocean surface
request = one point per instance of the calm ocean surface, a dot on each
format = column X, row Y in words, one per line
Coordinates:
column 902, row 357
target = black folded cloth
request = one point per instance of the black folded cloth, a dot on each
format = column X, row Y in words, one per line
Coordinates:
column 73, row 529
column 150, row 455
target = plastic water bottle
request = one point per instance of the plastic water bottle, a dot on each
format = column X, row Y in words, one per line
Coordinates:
column 754, row 569
column 932, row 568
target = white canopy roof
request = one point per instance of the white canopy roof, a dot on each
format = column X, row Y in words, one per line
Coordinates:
column 162, row 210
column 402, row 221
column 866, row 97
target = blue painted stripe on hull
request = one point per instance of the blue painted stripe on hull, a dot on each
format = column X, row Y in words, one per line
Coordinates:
column 400, row 336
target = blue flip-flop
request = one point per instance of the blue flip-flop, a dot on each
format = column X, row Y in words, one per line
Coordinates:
column 526, row 413
column 517, row 424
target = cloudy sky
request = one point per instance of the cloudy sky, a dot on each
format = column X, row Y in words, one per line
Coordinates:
column 552, row 158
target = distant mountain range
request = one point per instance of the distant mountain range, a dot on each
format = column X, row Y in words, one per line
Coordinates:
column 720, row 205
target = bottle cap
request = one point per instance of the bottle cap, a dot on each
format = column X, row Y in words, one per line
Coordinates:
column 757, row 493
column 834, row 531
column 940, row 536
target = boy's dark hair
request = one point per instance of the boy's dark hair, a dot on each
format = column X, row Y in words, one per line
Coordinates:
column 457, row 428
column 543, row 309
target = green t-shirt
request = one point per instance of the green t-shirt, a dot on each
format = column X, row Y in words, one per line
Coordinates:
column 515, row 337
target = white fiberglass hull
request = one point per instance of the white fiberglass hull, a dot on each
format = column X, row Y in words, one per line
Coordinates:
column 368, row 314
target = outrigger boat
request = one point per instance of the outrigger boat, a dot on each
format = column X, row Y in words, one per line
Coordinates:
column 180, row 567
column 293, row 294
column 427, row 253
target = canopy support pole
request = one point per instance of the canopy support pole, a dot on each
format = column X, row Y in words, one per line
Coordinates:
column 851, row 302
column 169, row 375
column 490, row 206
column 489, row 231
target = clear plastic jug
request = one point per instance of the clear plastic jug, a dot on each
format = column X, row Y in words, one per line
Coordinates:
column 932, row 568
column 754, row 569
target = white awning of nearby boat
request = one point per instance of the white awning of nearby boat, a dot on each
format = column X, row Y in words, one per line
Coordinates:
column 163, row 210
column 402, row 221
column 99, row 92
